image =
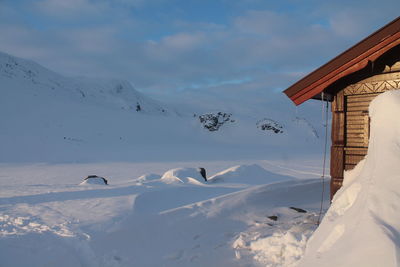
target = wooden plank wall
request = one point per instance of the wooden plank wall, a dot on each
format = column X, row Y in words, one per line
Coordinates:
column 338, row 142
column 350, row 134
column 350, row 121
column 357, row 128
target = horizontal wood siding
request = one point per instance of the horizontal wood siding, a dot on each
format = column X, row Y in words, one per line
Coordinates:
column 357, row 98
column 357, row 128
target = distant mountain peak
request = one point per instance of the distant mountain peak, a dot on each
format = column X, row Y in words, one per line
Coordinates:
column 112, row 93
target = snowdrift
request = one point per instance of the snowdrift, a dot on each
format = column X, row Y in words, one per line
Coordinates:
column 362, row 226
column 148, row 177
column 248, row 174
column 47, row 219
column 183, row 175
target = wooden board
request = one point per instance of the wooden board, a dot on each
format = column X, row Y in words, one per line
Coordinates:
column 350, row 122
column 356, row 150
column 349, row 167
column 353, row 159
column 356, row 128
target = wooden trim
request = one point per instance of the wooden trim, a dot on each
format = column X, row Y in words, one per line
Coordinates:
column 366, row 130
column 336, row 184
column 337, row 161
column 374, row 85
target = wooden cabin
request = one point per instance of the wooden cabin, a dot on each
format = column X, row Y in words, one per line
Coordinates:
column 350, row 81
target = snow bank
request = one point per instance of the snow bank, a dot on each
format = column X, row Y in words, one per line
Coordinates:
column 248, row 174
column 362, row 226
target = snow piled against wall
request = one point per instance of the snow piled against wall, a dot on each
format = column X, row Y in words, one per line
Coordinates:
column 362, row 227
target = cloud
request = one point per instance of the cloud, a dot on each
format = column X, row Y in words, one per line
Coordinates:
column 262, row 22
column 69, row 9
column 184, row 41
column 265, row 45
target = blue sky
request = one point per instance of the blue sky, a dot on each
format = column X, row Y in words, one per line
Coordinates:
column 165, row 46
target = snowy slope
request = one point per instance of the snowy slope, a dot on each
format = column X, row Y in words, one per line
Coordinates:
column 37, row 82
column 46, row 117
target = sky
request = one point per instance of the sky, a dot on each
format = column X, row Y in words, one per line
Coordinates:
column 170, row 47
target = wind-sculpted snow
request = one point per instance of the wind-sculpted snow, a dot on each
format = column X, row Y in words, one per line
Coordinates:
column 157, row 209
column 48, row 219
column 249, row 174
column 362, row 226
column 183, row 175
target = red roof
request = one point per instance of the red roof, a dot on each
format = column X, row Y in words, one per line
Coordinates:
column 350, row 61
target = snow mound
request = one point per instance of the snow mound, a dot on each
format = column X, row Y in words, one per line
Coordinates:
column 249, row 174
column 183, row 175
column 363, row 217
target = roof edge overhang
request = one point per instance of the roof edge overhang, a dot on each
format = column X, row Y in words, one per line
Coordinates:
column 350, row 61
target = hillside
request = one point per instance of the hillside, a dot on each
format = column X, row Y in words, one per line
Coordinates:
column 47, row 117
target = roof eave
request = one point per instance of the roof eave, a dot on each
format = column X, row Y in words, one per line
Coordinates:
column 350, row 61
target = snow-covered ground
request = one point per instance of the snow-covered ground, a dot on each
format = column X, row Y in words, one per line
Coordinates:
column 159, row 218
column 258, row 207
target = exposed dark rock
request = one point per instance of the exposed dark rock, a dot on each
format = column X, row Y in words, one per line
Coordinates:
column 298, row 210
column 273, row 218
column 213, row 121
column 203, row 173
column 97, row 178
column 269, row 125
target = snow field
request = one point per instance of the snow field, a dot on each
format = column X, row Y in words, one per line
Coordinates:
column 145, row 221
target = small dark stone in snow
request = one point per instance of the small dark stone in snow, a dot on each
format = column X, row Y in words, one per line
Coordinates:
column 95, row 176
column 273, row 217
column 298, row 210
column 203, row 173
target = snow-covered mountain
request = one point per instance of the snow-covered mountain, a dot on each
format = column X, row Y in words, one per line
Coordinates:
column 41, row 82
column 46, row 117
